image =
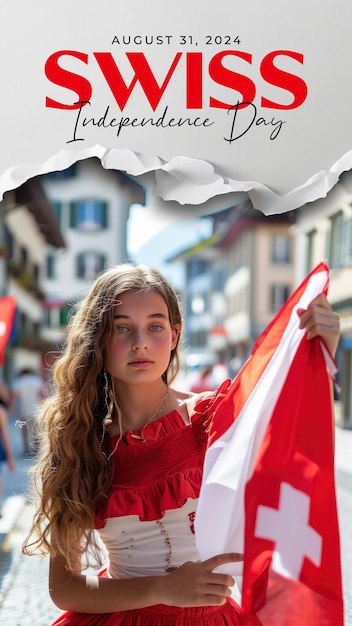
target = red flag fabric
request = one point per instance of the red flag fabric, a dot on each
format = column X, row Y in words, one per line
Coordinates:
column 7, row 311
column 268, row 488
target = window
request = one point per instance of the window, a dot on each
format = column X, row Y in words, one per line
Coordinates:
column 218, row 278
column 335, row 239
column 65, row 313
column 198, row 339
column 346, row 243
column 311, row 238
column 281, row 249
column 24, row 256
column 278, row 296
column 51, row 317
column 50, row 266
column 36, row 329
column 57, row 209
column 196, row 267
column 88, row 215
column 89, row 264
column 9, row 242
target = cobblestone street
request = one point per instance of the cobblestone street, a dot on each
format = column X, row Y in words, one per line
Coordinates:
column 24, row 582
column 24, row 599
column 344, row 501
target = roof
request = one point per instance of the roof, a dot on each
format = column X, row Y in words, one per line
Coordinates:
column 31, row 195
column 204, row 247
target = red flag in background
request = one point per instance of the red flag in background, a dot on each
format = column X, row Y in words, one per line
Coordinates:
column 268, row 487
column 7, row 312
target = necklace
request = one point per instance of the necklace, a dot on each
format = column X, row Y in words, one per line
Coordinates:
column 150, row 420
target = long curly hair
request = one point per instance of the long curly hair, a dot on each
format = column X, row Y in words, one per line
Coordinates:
column 74, row 470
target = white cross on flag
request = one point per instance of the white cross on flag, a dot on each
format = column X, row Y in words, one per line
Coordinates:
column 268, row 488
column 7, row 311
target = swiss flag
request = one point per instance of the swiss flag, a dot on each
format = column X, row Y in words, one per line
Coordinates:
column 7, row 311
column 268, row 488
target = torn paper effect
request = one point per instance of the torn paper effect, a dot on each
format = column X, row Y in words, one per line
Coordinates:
column 185, row 180
column 164, row 90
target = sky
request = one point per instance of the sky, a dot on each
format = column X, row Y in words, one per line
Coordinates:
column 148, row 244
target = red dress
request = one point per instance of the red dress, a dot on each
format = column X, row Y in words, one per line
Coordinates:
column 147, row 524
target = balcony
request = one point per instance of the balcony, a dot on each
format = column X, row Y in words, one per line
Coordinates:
column 25, row 277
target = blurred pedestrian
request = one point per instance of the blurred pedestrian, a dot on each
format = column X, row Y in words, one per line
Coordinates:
column 6, row 454
column 203, row 380
column 27, row 390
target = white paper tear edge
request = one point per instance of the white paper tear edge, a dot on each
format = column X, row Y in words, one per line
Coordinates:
column 183, row 179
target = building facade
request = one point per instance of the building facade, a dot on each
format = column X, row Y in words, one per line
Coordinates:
column 92, row 206
column 260, row 258
column 324, row 232
column 237, row 279
column 27, row 226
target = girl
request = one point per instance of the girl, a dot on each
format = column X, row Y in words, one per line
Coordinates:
column 121, row 466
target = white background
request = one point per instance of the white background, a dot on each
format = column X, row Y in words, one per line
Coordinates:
column 301, row 164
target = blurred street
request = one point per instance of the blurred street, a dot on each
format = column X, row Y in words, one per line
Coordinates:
column 24, row 599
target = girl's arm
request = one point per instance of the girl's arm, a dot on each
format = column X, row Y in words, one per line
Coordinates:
column 192, row 584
